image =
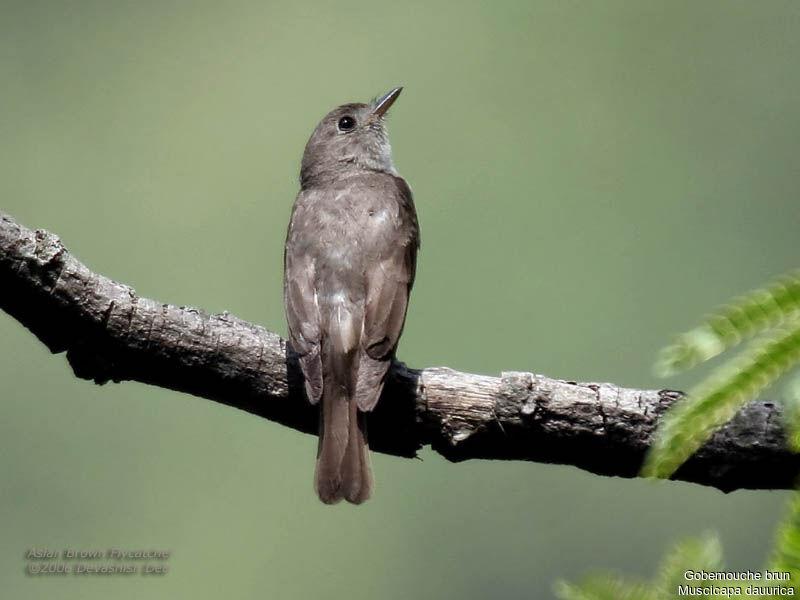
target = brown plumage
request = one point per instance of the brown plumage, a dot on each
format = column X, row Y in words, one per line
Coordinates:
column 349, row 266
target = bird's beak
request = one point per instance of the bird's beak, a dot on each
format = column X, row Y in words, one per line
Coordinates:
column 383, row 103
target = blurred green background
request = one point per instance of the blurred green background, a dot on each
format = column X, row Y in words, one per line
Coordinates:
column 590, row 178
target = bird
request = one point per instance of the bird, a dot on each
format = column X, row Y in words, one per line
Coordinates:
column 349, row 265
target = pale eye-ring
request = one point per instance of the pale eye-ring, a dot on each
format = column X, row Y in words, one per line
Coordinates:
column 346, row 123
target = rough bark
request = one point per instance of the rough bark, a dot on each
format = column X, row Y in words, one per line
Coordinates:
column 111, row 334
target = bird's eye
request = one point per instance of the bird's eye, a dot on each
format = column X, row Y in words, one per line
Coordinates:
column 346, row 123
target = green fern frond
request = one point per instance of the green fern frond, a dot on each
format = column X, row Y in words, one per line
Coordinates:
column 791, row 414
column 761, row 309
column 604, row 586
column 688, row 424
column 692, row 553
column 786, row 557
column 704, row 553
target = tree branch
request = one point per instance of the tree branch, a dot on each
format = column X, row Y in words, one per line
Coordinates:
column 111, row 334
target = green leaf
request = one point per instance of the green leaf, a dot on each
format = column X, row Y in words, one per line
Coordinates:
column 786, row 556
column 703, row 553
column 791, row 414
column 745, row 316
column 692, row 553
column 604, row 586
column 688, row 424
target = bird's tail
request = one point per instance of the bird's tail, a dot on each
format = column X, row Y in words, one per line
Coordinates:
column 343, row 469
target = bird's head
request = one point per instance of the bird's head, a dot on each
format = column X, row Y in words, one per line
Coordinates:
column 350, row 137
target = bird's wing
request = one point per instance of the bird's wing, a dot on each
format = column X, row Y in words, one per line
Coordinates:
column 302, row 309
column 388, row 283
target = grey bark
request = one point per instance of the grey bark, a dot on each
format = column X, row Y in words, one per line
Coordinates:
column 111, row 334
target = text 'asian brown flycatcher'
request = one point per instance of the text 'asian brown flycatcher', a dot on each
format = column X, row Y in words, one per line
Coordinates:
column 349, row 264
